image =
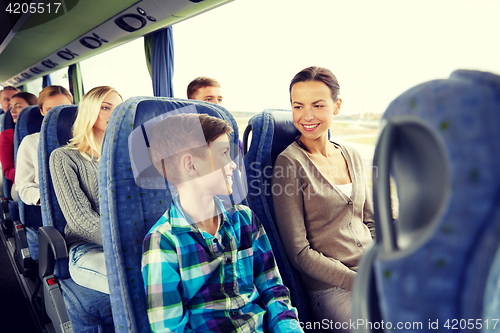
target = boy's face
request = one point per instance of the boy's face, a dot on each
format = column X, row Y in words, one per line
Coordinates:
column 209, row 94
column 215, row 170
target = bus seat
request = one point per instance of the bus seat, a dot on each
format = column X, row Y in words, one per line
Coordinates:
column 438, row 263
column 70, row 307
column 134, row 196
column 9, row 207
column 28, row 122
column 272, row 131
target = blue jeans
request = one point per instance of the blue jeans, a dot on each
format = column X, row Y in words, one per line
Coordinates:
column 333, row 304
column 87, row 267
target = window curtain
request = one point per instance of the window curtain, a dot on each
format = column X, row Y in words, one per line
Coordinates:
column 159, row 49
column 75, row 82
column 46, row 81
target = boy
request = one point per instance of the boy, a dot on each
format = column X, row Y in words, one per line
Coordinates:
column 207, row 266
column 205, row 89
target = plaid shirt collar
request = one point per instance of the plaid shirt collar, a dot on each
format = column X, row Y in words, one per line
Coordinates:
column 181, row 222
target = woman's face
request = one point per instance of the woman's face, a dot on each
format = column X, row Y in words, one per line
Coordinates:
column 17, row 105
column 108, row 105
column 54, row 100
column 313, row 108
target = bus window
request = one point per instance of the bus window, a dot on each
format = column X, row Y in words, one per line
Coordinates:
column 123, row 68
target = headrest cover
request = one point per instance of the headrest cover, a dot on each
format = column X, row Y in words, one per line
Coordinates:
column 66, row 118
column 284, row 134
column 34, row 119
column 141, row 143
column 8, row 122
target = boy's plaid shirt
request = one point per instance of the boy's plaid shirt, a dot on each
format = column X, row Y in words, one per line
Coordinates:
column 223, row 283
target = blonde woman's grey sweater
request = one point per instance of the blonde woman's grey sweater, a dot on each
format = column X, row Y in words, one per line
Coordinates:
column 75, row 182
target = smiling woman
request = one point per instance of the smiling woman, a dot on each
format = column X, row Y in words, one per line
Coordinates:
column 325, row 217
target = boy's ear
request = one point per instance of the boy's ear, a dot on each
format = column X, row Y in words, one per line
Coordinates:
column 187, row 165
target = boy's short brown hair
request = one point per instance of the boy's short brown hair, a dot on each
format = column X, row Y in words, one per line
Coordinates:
column 176, row 135
column 198, row 83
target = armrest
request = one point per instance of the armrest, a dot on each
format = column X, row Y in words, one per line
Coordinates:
column 51, row 247
column 22, row 254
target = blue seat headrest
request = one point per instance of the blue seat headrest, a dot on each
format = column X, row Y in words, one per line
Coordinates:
column 8, row 122
column 65, row 122
column 149, row 109
column 34, row 120
column 29, row 121
column 285, row 133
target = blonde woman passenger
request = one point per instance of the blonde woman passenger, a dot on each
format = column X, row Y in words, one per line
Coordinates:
column 74, row 174
column 324, row 212
column 27, row 181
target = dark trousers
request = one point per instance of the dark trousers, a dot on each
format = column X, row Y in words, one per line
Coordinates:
column 33, row 216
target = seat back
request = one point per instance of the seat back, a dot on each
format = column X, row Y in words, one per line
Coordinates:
column 55, row 132
column 28, row 122
column 440, row 259
column 272, row 131
column 7, row 123
column 128, row 211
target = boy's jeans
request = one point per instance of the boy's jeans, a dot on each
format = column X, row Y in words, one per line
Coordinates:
column 87, row 267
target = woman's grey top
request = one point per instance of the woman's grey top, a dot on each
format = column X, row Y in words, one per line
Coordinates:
column 75, row 182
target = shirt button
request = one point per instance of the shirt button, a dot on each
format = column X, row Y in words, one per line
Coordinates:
column 359, row 245
column 350, row 225
column 216, row 240
column 349, row 203
column 228, row 261
column 233, row 314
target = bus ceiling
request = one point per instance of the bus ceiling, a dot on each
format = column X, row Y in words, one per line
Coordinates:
column 40, row 36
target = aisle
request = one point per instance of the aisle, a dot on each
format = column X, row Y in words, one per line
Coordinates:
column 15, row 316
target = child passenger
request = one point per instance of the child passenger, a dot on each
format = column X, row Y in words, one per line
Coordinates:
column 74, row 174
column 27, row 181
column 207, row 266
column 325, row 212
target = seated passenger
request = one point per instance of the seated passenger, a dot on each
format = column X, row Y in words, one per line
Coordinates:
column 205, row 89
column 73, row 169
column 208, row 90
column 5, row 96
column 18, row 102
column 207, row 266
column 27, row 182
column 324, row 212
